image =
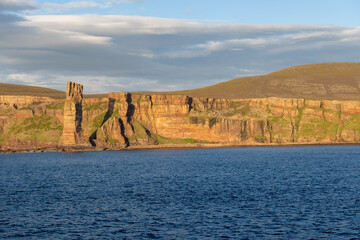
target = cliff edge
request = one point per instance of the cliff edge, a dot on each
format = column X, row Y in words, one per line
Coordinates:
column 127, row 120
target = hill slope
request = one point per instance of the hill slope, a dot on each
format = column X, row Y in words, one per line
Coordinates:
column 24, row 90
column 316, row 81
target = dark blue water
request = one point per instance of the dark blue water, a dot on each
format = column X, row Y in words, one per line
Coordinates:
column 255, row 193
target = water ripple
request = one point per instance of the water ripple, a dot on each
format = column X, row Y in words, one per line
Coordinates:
column 242, row 193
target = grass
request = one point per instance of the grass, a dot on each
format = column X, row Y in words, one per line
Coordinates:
column 141, row 133
column 318, row 128
column 56, row 105
column 261, row 139
column 113, row 141
column 164, row 140
column 41, row 128
column 24, row 90
column 245, row 110
column 95, row 122
column 95, row 106
column 236, row 104
column 278, row 119
column 6, row 110
column 299, row 117
column 352, row 123
column 340, row 81
column 282, row 123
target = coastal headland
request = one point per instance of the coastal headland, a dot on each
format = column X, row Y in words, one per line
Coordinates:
column 311, row 104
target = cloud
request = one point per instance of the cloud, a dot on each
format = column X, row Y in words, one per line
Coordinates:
column 66, row 6
column 61, row 7
column 22, row 78
column 132, row 53
column 111, row 24
column 17, row 5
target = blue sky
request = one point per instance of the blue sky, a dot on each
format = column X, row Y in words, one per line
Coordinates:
column 160, row 45
column 336, row 12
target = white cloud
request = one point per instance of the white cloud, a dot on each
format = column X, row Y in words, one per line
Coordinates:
column 129, row 53
column 61, row 7
column 122, row 25
column 65, row 6
column 83, row 37
column 113, row 24
column 23, row 78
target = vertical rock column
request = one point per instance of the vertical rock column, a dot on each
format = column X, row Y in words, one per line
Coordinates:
column 72, row 114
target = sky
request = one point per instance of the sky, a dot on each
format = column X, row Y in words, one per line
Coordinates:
column 166, row 45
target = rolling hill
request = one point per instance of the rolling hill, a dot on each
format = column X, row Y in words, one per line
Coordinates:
column 315, row 81
column 25, row 90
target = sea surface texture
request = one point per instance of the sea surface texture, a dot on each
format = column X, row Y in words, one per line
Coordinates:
column 241, row 193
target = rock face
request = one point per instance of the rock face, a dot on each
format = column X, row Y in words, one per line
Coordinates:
column 128, row 119
column 34, row 125
column 155, row 119
column 72, row 114
column 20, row 101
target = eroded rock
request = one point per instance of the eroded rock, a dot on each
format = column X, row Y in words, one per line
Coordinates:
column 72, row 114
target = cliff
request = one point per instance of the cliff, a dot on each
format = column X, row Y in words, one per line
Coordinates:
column 127, row 119
column 72, row 115
column 182, row 119
column 37, row 122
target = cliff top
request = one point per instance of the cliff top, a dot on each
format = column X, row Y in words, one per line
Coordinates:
column 315, row 81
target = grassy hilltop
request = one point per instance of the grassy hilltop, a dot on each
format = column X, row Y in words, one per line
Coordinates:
column 316, row 81
column 24, row 90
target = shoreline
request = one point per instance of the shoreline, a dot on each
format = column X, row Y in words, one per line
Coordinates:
column 74, row 149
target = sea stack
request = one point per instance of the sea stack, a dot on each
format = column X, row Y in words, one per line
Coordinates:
column 72, row 114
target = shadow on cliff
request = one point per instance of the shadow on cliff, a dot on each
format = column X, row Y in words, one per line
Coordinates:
column 108, row 114
column 130, row 111
column 78, row 117
column 122, row 132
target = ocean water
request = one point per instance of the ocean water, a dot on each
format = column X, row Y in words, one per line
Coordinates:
column 241, row 193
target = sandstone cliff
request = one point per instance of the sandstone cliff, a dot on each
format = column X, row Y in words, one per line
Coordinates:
column 183, row 119
column 72, row 114
column 128, row 119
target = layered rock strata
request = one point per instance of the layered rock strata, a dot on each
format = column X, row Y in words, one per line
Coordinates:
column 128, row 119
column 233, row 121
column 20, row 101
column 72, row 114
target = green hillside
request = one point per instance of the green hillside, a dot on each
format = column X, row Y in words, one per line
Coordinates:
column 315, row 81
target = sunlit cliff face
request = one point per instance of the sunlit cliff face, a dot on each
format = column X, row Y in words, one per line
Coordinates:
column 127, row 119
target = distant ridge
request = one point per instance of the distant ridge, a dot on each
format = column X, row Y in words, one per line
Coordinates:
column 315, row 81
column 333, row 81
column 25, row 90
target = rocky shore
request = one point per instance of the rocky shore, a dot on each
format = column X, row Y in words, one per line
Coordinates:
column 162, row 147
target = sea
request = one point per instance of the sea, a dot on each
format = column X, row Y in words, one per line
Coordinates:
column 303, row 192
